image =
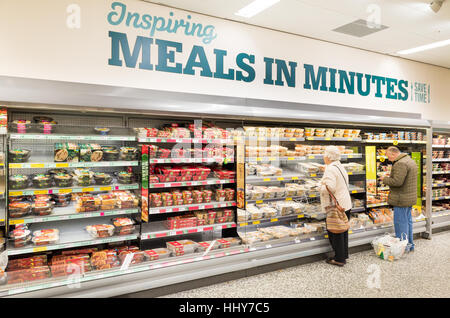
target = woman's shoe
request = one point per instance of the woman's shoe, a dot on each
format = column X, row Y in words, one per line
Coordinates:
column 333, row 262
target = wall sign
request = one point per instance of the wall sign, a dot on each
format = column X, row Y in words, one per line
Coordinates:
column 136, row 44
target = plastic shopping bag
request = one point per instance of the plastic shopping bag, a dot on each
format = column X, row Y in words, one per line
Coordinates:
column 388, row 247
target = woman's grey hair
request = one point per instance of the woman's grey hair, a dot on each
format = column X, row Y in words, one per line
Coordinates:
column 332, row 153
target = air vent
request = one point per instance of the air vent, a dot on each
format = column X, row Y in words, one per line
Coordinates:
column 360, row 28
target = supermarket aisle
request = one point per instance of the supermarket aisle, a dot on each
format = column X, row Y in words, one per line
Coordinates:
column 424, row 273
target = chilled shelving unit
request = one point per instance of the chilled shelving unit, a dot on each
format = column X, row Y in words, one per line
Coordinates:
column 155, row 229
column 40, row 140
column 153, row 232
column 440, row 192
column 287, row 169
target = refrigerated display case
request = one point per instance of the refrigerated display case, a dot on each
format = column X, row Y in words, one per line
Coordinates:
column 201, row 244
column 440, row 167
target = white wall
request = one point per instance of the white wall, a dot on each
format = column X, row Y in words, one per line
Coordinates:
column 36, row 43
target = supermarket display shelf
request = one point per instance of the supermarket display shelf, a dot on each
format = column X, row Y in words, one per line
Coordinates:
column 382, row 157
column 30, row 136
column 302, row 158
column 440, row 214
column 110, row 282
column 185, row 140
column 334, row 138
column 74, row 189
column 192, row 207
column 438, row 198
column 383, row 188
column 440, row 172
column 119, row 271
column 271, row 220
column 290, row 176
column 311, row 195
column 253, row 138
column 192, row 160
column 159, row 229
column 43, row 164
column 394, row 141
column 441, row 160
column 440, row 185
column 190, row 183
column 358, row 209
column 72, row 233
column 441, row 146
column 68, row 213
column 377, row 205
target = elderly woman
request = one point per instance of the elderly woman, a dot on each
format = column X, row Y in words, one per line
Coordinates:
column 336, row 178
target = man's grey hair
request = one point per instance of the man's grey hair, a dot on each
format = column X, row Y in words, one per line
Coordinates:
column 332, row 153
column 393, row 150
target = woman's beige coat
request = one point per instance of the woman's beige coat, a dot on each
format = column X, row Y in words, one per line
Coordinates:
column 338, row 185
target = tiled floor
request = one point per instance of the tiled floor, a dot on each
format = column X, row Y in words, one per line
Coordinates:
column 424, row 273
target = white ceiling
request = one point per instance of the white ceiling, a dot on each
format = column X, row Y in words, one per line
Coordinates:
column 411, row 23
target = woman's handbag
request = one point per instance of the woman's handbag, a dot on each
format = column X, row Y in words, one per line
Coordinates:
column 337, row 221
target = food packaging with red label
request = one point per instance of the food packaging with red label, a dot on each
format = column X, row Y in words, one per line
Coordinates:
column 229, row 194
column 220, row 195
column 156, row 254
column 45, row 237
column 203, row 246
column 100, row 230
column 19, row 209
column 123, row 226
column 138, row 256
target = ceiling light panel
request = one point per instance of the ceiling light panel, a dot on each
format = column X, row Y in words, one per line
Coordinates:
column 256, row 7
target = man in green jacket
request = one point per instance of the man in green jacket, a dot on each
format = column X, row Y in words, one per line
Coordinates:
column 403, row 191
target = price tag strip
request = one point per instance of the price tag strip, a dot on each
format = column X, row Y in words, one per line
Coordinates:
column 52, row 218
column 174, row 232
column 189, row 183
column 193, row 207
column 19, row 251
column 73, row 164
column 75, row 190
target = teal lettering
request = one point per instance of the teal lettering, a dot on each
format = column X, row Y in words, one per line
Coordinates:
column 311, row 78
column 403, row 88
column 114, row 5
column 220, row 54
column 198, row 51
column 345, row 81
column 282, row 70
column 378, row 79
column 164, row 56
column 146, row 21
column 155, row 26
column 332, row 87
column 268, row 78
column 360, row 84
column 120, row 40
column 390, row 82
column 245, row 67
column 135, row 17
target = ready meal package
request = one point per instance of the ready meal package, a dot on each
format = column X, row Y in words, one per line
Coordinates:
column 90, row 152
column 156, row 254
column 105, row 259
column 66, row 152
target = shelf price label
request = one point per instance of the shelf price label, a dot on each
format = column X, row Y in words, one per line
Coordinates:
column 39, row 249
column 15, row 193
column 294, row 178
column 14, row 222
column 395, row 142
column 62, row 165
column 65, row 191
